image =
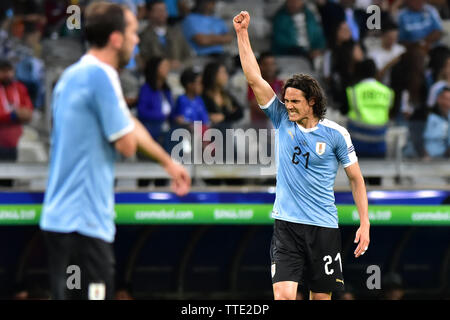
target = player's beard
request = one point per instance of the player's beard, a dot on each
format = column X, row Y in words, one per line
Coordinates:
column 124, row 57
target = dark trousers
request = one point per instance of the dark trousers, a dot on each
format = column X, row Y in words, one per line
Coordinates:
column 69, row 253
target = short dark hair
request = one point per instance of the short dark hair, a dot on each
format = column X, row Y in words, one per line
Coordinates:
column 311, row 90
column 102, row 19
column 5, row 65
column 151, row 72
column 365, row 69
column 387, row 25
column 210, row 73
column 188, row 76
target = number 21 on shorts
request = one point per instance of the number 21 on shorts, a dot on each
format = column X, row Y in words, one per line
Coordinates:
column 328, row 260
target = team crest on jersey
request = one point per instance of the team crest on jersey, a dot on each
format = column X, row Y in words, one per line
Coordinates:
column 320, row 148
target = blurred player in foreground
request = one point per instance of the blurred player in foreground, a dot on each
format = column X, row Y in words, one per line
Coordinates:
column 306, row 243
column 91, row 123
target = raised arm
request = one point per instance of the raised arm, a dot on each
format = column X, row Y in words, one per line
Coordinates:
column 263, row 92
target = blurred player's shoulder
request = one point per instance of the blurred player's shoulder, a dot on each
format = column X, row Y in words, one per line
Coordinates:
column 87, row 71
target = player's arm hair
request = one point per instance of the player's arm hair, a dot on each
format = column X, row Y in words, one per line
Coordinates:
column 359, row 191
column 262, row 90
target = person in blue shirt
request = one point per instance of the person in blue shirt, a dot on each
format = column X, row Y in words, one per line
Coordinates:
column 91, row 127
column 306, row 244
column 155, row 103
column 437, row 133
column 190, row 106
column 419, row 23
column 206, row 33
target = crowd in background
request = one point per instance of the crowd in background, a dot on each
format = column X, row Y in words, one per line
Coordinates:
column 401, row 68
column 393, row 73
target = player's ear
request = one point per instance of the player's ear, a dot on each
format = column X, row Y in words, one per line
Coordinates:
column 116, row 39
column 311, row 102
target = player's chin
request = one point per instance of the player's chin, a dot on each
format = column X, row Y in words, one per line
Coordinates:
column 294, row 117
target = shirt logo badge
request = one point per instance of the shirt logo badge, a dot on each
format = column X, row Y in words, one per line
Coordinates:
column 320, row 148
column 290, row 133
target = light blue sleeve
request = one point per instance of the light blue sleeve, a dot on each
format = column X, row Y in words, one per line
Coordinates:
column 345, row 151
column 109, row 105
column 275, row 110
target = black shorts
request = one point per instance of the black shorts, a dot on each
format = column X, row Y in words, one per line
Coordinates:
column 94, row 258
column 307, row 254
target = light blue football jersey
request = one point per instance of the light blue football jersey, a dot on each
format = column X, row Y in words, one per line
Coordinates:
column 89, row 114
column 308, row 160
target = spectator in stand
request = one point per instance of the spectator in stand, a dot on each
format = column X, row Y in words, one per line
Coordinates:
column 437, row 134
column 155, row 102
column 419, row 23
column 204, row 32
column 16, row 109
column 442, row 76
column 409, row 85
column 369, row 104
column 342, row 34
column 222, row 107
column 296, row 30
column 436, row 60
column 160, row 39
column 388, row 53
column 334, row 12
column 190, row 106
column 343, row 72
column 30, row 69
column 268, row 66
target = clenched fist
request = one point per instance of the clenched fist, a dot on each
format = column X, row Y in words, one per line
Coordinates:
column 241, row 21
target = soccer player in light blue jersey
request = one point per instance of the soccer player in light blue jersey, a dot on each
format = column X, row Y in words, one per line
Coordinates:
column 91, row 125
column 306, row 243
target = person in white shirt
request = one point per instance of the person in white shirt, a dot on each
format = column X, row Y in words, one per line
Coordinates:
column 388, row 53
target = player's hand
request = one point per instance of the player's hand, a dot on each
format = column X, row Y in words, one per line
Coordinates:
column 363, row 238
column 181, row 181
column 241, row 21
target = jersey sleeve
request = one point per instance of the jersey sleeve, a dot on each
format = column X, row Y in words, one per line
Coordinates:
column 110, row 106
column 275, row 110
column 345, row 151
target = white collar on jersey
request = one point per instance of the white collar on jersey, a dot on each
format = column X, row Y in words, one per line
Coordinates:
column 309, row 129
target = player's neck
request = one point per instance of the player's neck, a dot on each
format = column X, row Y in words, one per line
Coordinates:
column 308, row 122
column 105, row 56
